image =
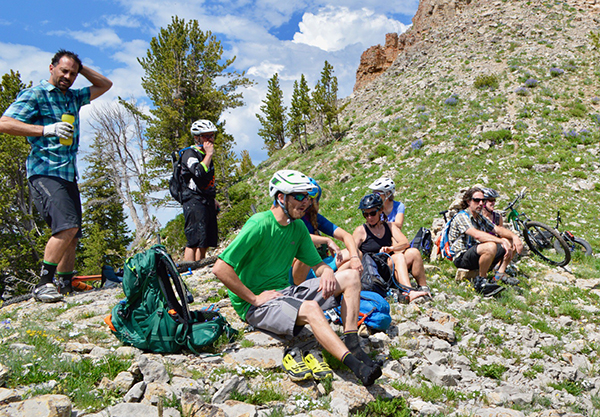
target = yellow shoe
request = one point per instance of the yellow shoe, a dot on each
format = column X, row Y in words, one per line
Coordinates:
column 319, row 368
column 295, row 366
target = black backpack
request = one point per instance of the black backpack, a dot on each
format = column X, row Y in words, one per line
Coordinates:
column 377, row 275
column 175, row 183
column 423, row 241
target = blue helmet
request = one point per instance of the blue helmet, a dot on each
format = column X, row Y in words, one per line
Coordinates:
column 317, row 192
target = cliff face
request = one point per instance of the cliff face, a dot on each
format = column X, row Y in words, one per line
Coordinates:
column 440, row 16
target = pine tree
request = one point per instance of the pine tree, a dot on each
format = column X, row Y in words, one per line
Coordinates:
column 300, row 112
column 274, row 120
column 105, row 233
column 246, row 166
column 22, row 230
column 181, row 68
column 325, row 102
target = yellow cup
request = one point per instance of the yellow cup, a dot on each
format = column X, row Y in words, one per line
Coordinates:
column 69, row 118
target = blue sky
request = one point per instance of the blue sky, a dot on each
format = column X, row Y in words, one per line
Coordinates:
column 266, row 36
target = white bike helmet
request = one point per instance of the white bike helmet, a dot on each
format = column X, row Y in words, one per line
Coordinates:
column 490, row 193
column 385, row 185
column 288, row 181
column 202, row 126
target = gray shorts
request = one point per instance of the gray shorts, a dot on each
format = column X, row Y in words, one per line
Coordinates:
column 279, row 315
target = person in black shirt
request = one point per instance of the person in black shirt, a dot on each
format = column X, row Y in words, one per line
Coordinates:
column 198, row 197
column 378, row 236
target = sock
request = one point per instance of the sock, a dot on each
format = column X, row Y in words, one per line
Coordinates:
column 47, row 273
column 352, row 343
column 367, row 374
column 64, row 282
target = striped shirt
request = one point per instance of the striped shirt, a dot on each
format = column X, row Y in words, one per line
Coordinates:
column 43, row 105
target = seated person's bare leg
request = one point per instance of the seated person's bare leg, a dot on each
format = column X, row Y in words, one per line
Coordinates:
column 401, row 274
column 486, row 252
column 414, row 262
column 344, row 263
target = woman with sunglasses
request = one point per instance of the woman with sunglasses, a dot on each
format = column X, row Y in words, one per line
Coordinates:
column 321, row 232
column 379, row 236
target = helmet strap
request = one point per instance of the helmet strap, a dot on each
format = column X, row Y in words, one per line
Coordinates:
column 282, row 205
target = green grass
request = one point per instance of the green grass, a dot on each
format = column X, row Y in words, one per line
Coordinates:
column 76, row 379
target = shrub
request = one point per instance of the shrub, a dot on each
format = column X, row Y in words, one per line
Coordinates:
column 497, row 136
column 452, row 100
column 521, row 91
column 487, row 81
column 531, row 82
column 556, row 72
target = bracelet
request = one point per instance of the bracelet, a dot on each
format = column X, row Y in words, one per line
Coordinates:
column 355, row 256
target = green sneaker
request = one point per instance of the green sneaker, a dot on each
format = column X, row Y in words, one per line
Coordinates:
column 319, row 368
column 295, row 366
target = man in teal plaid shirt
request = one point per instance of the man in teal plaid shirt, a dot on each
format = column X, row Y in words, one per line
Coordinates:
column 48, row 115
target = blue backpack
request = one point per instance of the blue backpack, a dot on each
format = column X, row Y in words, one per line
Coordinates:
column 443, row 240
column 374, row 311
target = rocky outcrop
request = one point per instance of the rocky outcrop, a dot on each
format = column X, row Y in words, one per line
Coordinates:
column 441, row 16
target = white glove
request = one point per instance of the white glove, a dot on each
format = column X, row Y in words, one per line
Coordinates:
column 63, row 130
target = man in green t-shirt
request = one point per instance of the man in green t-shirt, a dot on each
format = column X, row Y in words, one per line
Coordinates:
column 255, row 268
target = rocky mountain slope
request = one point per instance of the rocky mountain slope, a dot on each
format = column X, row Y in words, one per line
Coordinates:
column 503, row 93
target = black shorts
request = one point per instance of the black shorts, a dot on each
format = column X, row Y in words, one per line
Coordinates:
column 470, row 259
column 200, row 223
column 58, row 202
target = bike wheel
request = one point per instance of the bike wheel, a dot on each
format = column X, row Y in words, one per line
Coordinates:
column 576, row 246
column 541, row 240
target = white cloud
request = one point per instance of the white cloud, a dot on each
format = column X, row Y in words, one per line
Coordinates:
column 100, row 38
column 122, row 21
column 265, row 69
column 31, row 62
column 334, row 28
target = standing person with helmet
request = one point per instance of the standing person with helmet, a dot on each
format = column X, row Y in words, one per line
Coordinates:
column 321, row 232
column 393, row 210
column 51, row 165
column 198, row 197
column 379, row 236
column 255, row 269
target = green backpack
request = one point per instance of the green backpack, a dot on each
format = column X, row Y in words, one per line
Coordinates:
column 155, row 316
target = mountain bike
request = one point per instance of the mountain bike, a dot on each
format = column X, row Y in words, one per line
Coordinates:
column 575, row 244
column 541, row 238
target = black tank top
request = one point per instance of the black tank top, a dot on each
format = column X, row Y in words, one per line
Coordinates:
column 372, row 244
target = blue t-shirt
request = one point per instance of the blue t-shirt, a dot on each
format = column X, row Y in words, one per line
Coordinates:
column 323, row 225
column 397, row 208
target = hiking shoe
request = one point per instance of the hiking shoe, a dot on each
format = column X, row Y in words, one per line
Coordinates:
column 505, row 278
column 47, row 293
column 319, row 368
column 295, row 366
column 486, row 288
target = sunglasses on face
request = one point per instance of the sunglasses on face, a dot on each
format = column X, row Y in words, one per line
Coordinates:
column 299, row 196
column 492, row 202
column 478, row 200
column 370, row 213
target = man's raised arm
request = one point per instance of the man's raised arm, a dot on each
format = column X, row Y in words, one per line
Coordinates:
column 100, row 84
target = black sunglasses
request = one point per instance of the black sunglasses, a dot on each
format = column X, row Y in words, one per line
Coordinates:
column 478, row 200
column 370, row 213
column 300, row 196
